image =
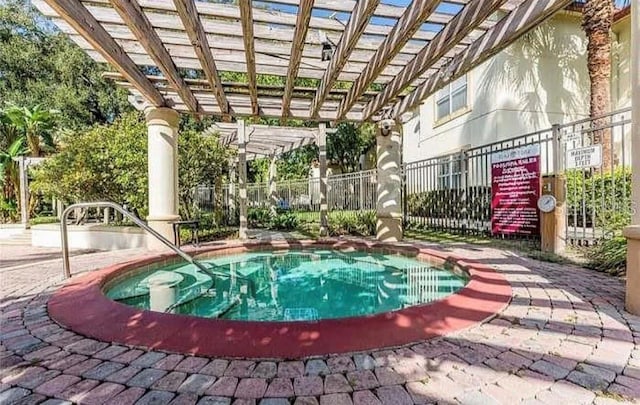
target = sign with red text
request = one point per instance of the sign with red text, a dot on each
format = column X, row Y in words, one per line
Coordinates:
column 515, row 190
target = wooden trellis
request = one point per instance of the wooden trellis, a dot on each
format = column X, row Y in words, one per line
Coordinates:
column 384, row 59
column 264, row 140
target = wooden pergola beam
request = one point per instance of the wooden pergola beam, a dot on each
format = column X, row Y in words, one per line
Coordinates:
column 302, row 26
column 77, row 16
column 407, row 25
column 520, row 20
column 246, row 15
column 459, row 27
column 137, row 21
column 198, row 37
column 355, row 27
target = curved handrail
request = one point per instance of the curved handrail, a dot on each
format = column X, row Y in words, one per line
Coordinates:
column 135, row 220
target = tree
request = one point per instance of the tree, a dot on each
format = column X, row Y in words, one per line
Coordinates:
column 106, row 162
column 201, row 161
column 9, row 178
column 36, row 125
column 109, row 162
column 597, row 21
column 348, row 143
column 40, row 65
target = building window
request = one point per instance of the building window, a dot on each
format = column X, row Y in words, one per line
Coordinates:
column 450, row 172
column 451, row 98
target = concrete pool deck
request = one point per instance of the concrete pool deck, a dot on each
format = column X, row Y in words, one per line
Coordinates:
column 564, row 338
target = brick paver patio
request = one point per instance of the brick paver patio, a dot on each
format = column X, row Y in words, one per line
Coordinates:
column 564, row 339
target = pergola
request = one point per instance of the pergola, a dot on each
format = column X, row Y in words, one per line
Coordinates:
column 336, row 59
column 264, row 140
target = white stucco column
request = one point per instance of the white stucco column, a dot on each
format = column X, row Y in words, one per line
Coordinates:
column 231, row 196
column 632, row 300
column 389, row 204
column 242, row 179
column 162, row 130
column 322, row 158
column 273, row 173
column 24, row 191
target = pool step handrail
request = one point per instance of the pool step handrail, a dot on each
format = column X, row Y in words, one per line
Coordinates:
column 135, row 220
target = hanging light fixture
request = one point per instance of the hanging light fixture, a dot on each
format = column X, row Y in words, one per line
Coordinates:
column 327, row 46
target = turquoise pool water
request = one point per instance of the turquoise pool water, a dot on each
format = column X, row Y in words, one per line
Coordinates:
column 289, row 286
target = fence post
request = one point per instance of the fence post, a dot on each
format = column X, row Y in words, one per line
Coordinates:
column 632, row 292
column 553, row 225
column 322, row 148
column 242, row 178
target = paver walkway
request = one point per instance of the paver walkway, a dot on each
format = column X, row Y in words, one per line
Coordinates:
column 564, row 339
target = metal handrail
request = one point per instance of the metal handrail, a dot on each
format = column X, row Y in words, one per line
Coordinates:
column 135, row 220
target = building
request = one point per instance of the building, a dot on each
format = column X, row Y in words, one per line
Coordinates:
column 538, row 81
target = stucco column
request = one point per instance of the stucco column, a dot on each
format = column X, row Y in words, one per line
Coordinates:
column 162, row 131
column 322, row 158
column 273, row 173
column 24, row 191
column 231, row 192
column 242, row 179
column 632, row 300
column 389, row 204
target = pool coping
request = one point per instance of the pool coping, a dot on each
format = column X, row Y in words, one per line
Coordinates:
column 81, row 306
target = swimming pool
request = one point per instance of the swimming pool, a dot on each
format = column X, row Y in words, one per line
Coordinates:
column 302, row 285
column 282, row 299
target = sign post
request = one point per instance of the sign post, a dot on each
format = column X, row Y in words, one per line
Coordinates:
column 515, row 190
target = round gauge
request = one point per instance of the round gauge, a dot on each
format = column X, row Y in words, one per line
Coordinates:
column 547, row 203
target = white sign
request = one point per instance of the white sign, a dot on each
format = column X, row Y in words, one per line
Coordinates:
column 580, row 158
column 517, row 153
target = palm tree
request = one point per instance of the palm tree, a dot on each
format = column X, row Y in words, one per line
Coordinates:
column 597, row 21
column 36, row 124
column 9, row 172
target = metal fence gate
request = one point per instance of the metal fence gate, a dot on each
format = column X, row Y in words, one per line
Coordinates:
column 598, row 198
column 453, row 192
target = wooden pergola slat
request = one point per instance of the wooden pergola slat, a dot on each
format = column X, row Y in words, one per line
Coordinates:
column 191, row 21
column 407, row 25
column 136, row 20
column 354, row 29
column 246, row 13
column 302, row 26
column 76, row 15
column 202, row 40
column 458, row 28
column 524, row 17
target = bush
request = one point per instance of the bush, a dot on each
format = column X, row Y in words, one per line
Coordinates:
column 283, row 222
column 259, row 217
column 605, row 197
column 609, row 255
column 361, row 223
column 459, row 204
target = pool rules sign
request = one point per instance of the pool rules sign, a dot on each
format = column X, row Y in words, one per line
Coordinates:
column 515, row 190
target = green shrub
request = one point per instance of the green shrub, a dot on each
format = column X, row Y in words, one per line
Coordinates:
column 284, row 222
column 471, row 203
column 259, row 217
column 609, row 255
column 43, row 220
column 360, row 223
column 599, row 199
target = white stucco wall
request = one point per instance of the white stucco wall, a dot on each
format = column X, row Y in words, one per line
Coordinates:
column 621, row 64
column 538, row 81
column 99, row 237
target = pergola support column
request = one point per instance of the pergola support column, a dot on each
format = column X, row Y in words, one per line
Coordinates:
column 162, row 132
column 231, row 201
column 322, row 158
column 242, row 179
column 389, row 204
column 632, row 300
column 24, row 191
column 273, row 173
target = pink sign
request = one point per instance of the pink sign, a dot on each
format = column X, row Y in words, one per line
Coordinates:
column 515, row 191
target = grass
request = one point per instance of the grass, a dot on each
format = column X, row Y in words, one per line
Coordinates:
column 526, row 248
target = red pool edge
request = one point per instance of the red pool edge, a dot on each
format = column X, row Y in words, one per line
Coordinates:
column 81, row 306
